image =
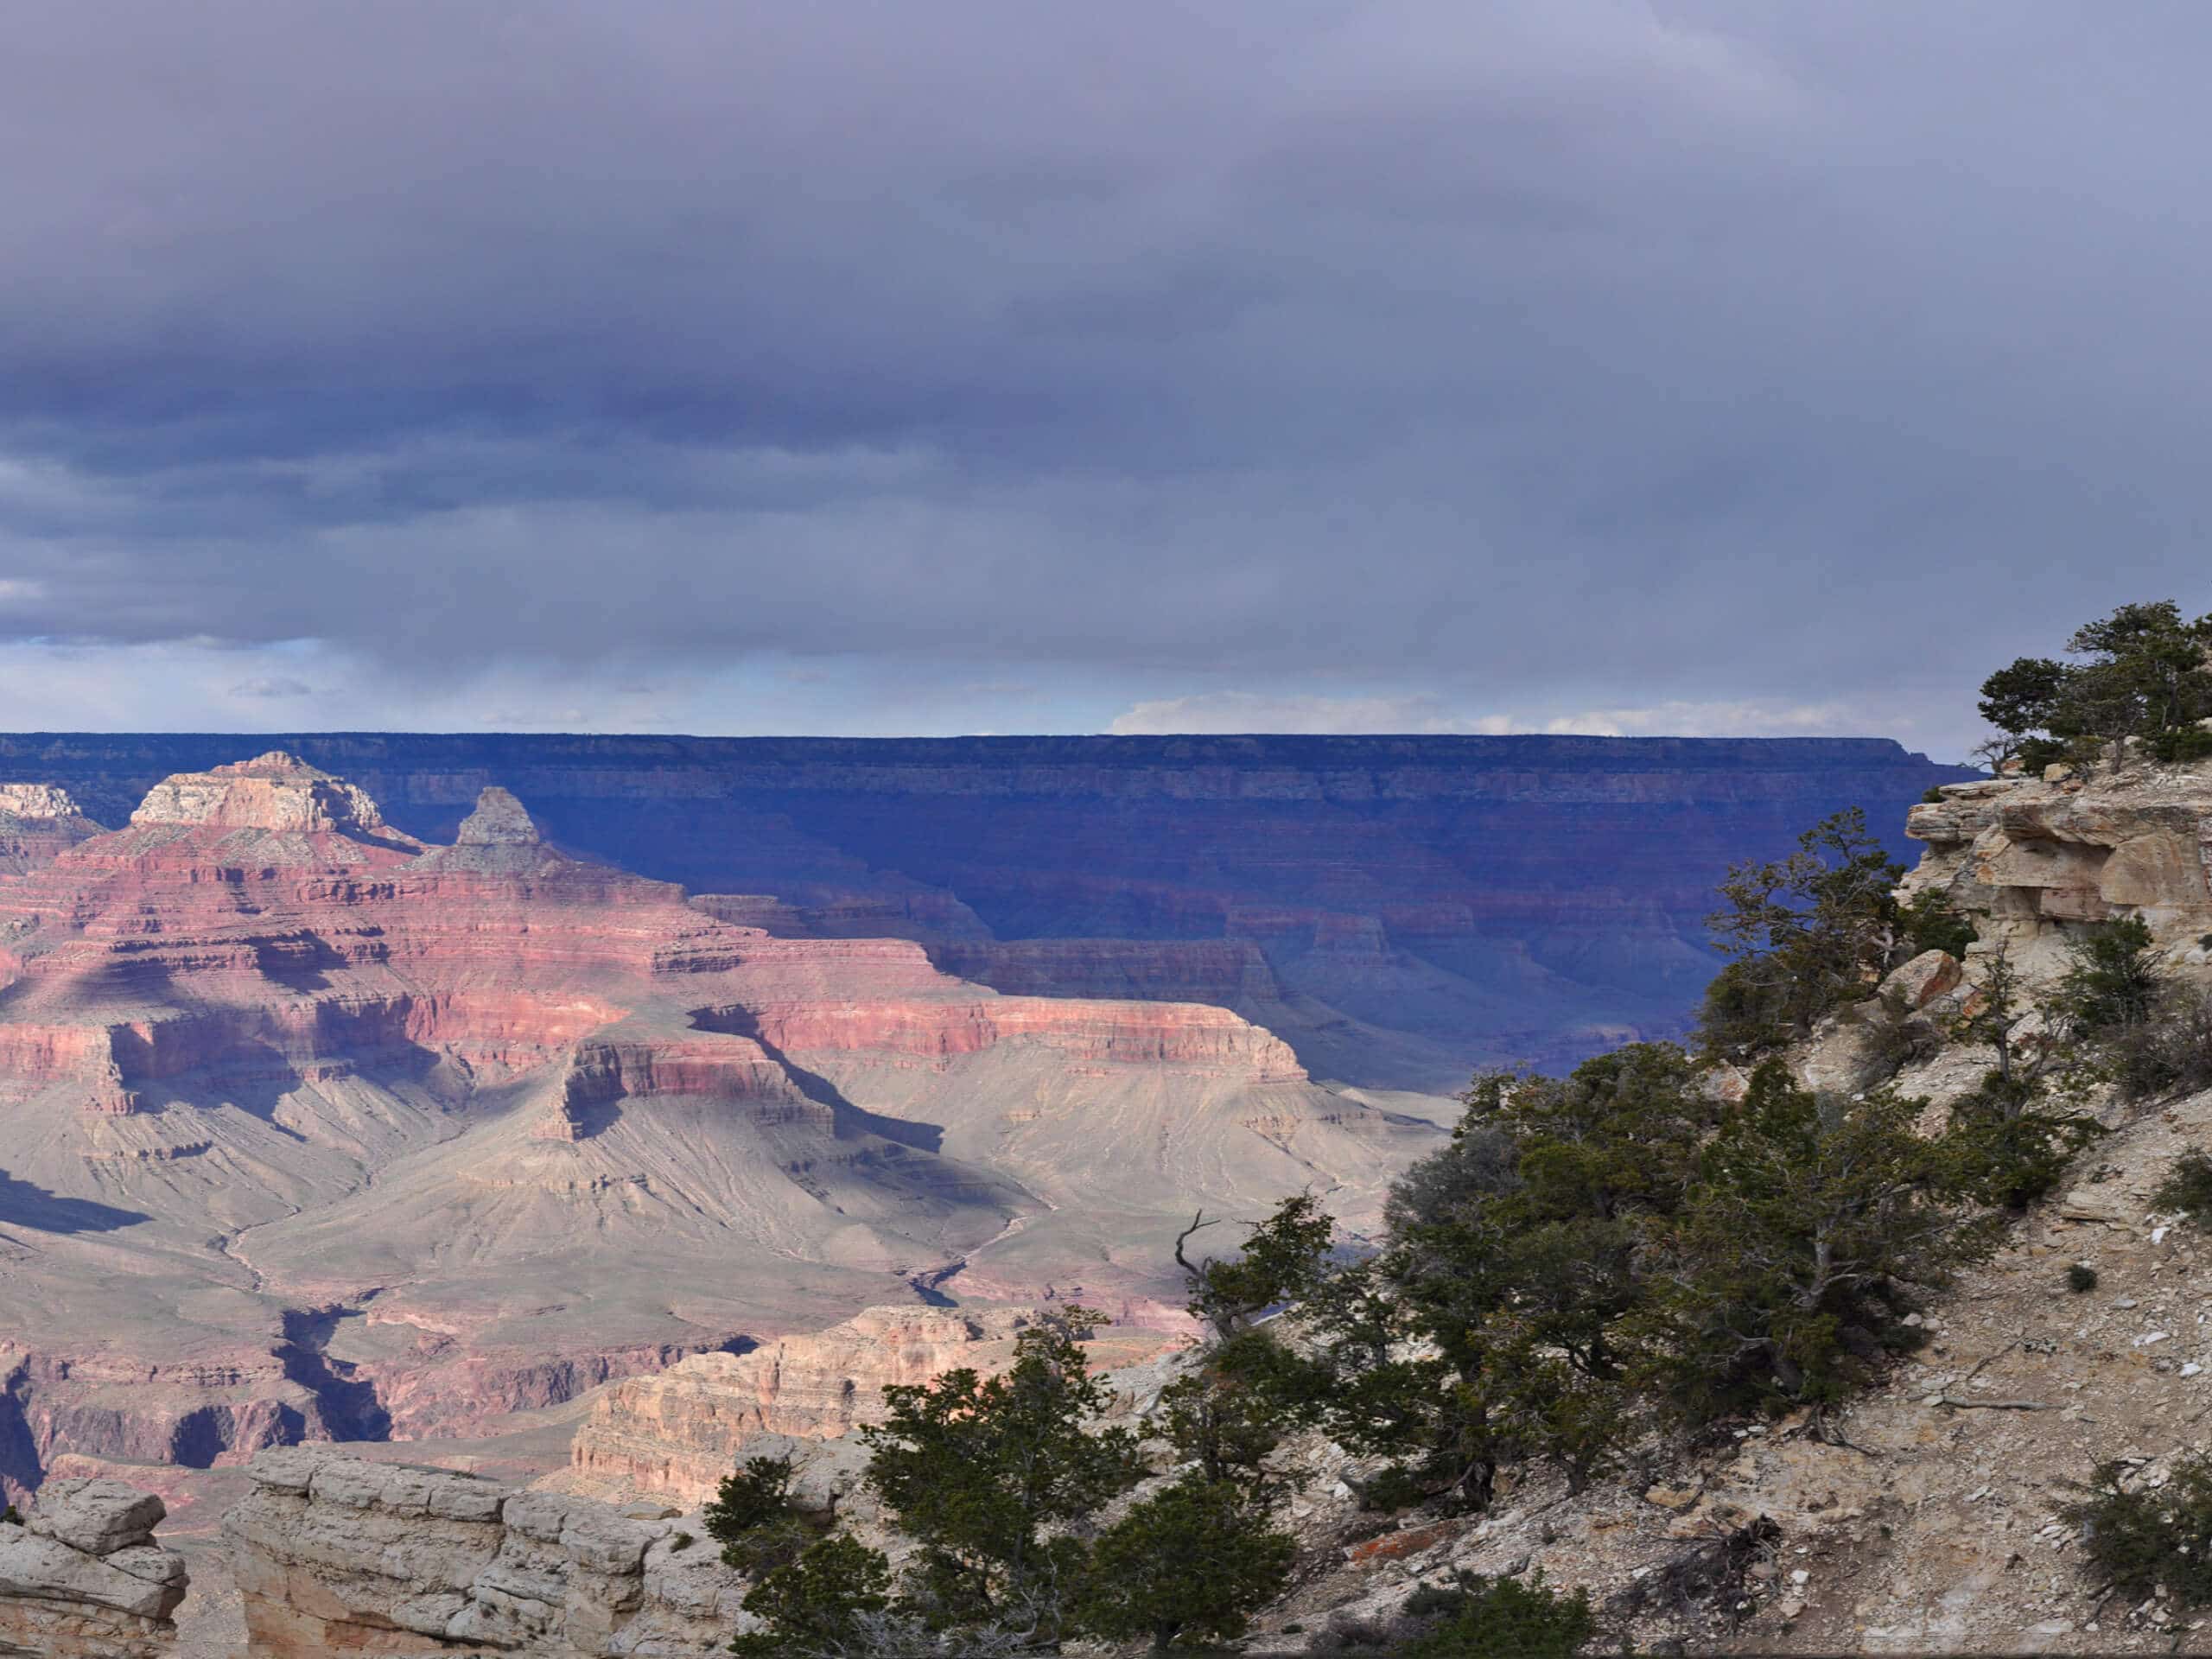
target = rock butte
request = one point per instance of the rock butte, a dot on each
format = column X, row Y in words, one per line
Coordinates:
column 310, row 1129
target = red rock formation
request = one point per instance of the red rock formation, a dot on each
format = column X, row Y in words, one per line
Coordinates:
column 307, row 1129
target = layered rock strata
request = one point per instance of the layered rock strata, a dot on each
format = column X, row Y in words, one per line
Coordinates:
column 2033, row 860
column 82, row 1578
column 679, row 1432
column 310, row 1129
column 37, row 823
column 334, row 1554
column 1420, row 904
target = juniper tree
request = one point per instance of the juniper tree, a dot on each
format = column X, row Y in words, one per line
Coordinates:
column 1803, row 935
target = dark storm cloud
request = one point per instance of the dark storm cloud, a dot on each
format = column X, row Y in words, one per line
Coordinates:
column 1559, row 354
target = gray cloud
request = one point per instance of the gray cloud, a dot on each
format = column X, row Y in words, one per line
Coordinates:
column 1550, row 361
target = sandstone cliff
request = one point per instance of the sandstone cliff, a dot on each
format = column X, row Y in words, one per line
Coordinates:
column 83, row 1579
column 333, row 1554
column 2030, row 859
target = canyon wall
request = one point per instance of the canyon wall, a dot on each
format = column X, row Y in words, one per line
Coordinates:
column 1397, row 909
column 313, row 1129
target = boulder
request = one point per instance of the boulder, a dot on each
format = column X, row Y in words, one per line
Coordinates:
column 96, row 1516
column 334, row 1553
column 83, row 1579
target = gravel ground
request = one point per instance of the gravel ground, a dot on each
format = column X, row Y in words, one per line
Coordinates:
column 211, row 1624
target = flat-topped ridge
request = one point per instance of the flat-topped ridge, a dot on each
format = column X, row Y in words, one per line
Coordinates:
column 274, row 792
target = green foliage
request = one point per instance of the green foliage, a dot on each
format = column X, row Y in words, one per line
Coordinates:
column 2114, row 981
column 757, row 1494
column 2187, row 1190
column 1228, row 1412
column 1593, row 1247
column 2145, row 1541
column 683, row 1541
column 817, row 1604
column 1803, row 935
column 1929, row 922
column 1787, row 1273
column 9, row 1518
column 2013, row 1141
column 2141, row 672
column 1281, row 1261
column 752, row 1519
column 1193, row 1561
column 1501, row 1618
column 978, row 1470
column 2170, row 1052
column 2080, row 1278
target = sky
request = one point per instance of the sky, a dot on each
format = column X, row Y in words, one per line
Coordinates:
column 869, row 367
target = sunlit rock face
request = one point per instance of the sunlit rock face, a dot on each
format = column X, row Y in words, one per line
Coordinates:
column 333, row 1554
column 38, row 822
column 2036, row 861
column 310, row 1128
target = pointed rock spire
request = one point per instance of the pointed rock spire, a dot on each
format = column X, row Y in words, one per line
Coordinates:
column 499, row 820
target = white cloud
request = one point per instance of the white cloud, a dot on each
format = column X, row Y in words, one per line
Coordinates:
column 1250, row 711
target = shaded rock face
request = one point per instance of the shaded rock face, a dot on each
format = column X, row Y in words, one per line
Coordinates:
column 333, row 1554
column 681, row 1432
column 2032, row 863
column 499, row 820
column 309, row 1130
column 84, row 1579
column 1399, row 910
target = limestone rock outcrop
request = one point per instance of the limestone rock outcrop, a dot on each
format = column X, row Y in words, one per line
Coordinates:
column 2032, row 860
column 274, row 793
column 681, row 1431
column 336, row 1555
column 82, row 1577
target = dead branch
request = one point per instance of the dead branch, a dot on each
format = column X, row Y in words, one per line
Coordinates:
column 1197, row 1221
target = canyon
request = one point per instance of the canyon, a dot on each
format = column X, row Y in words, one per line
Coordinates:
column 387, row 1106
column 1397, row 909
column 311, row 1129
